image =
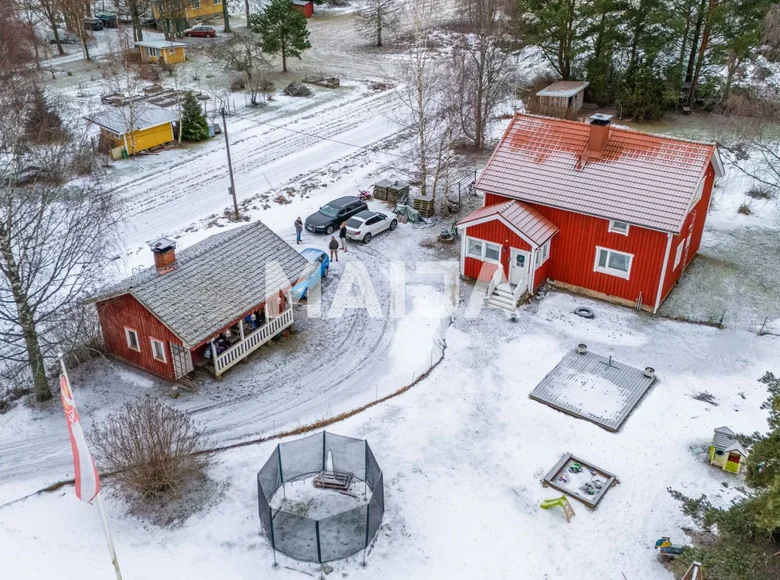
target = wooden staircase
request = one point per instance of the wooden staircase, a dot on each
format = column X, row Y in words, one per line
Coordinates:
column 503, row 297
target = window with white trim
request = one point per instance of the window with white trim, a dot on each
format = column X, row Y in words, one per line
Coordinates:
column 543, row 253
column 132, row 339
column 483, row 250
column 171, row 51
column 153, row 51
column 617, row 227
column 613, row 262
column 699, row 192
column 217, row 2
column 678, row 255
column 196, row 3
column 158, row 350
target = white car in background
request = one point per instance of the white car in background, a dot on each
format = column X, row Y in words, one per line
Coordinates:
column 365, row 225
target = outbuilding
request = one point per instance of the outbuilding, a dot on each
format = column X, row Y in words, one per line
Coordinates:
column 726, row 451
column 134, row 128
column 596, row 209
column 562, row 98
column 161, row 51
column 211, row 306
column 304, row 6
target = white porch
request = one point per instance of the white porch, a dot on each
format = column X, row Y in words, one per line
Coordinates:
column 503, row 294
column 249, row 343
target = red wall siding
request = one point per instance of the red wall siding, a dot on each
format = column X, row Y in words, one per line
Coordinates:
column 492, row 198
column 497, row 232
column 125, row 311
column 698, row 217
column 543, row 272
column 573, row 253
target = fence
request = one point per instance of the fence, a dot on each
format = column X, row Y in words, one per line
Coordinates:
column 334, row 537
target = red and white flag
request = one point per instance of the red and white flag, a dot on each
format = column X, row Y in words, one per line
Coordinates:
column 87, row 480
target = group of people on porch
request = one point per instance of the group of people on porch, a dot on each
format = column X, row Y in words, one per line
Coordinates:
column 232, row 335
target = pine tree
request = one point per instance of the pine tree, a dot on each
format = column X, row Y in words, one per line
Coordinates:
column 194, row 126
column 642, row 96
column 283, row 30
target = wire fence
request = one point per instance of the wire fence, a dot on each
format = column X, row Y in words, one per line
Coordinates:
column 334, row 537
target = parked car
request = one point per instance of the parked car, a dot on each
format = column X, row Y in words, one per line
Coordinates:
column 93, row 23
column 65, row 37
column 201, row 30
column 109, row 20
column 331, row 215
column 318, row 269
column 366, row 224
column 124, row 18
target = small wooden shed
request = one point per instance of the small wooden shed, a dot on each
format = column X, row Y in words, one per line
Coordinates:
column 135, row 129
column 726, row 452
column 304, row 6
column 562, row 98
column 161, row 51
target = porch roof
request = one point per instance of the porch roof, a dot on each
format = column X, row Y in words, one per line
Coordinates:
column 525, row 220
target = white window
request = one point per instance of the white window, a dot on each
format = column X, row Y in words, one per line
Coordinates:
column 483, row 250
column 217, row 2
column 613, row 263
column 697, row 197
column 617, row 227
column 196, row 3
column 543, row 253
column 154, row 51
column 158, row 349
column 171, row 51
column 678, row 255
column 132, row 339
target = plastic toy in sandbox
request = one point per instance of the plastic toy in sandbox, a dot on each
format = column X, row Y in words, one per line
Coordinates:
column 331, row 502
column 665, row 547
column 581, row 480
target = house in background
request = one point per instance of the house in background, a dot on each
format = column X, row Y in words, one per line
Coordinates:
column 211, row 306
column 177, row 15
column 726, row 452
column 161, row 51
column 304, row 6
column 605, row 211
column 562, row 98
column 134, row 129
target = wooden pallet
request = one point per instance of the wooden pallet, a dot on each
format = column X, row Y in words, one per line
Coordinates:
column 424, row 205
column 333, row 480
column 388, row 191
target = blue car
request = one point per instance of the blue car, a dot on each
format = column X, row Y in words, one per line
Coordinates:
column 319, row 269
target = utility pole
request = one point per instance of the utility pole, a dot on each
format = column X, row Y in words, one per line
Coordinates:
column 230, row 165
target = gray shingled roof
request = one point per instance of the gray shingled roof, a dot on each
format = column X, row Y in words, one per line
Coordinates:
column 215, row 281
column 726, row 441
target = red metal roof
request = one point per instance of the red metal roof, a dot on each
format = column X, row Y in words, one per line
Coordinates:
column 525, row 220
column 642, row 179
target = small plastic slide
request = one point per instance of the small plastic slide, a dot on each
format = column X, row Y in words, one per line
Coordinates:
column 563, row 502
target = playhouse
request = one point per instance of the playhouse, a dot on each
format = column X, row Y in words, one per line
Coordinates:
column 726, row 452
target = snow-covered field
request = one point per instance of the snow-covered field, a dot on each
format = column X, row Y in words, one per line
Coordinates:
column 463, row 454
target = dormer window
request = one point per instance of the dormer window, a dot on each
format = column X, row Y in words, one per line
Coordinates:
column 617, row 227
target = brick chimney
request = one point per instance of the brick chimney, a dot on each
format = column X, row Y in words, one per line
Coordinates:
column 599, row 134
column 164, row 251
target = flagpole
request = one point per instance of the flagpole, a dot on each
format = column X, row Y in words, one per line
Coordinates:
column 98, row 500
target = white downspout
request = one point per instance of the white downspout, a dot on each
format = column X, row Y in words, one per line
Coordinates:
column 663, row 274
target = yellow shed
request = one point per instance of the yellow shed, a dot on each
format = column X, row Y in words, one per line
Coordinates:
column 137, row 128
column 186, row 11
column 165, row 51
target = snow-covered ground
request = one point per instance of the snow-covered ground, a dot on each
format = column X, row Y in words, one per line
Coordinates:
column 463, row 453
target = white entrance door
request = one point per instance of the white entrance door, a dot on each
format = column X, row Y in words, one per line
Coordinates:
column 519, row 267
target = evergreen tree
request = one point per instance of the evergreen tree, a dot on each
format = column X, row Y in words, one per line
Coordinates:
column 283, row 30
column 642, row 95
column 194, row 126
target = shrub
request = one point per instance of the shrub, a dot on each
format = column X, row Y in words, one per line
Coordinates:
column 642, row 97
column 297, row 90
column 744, row 208
column 153, row 449
column 237, row 83
column 760, row 191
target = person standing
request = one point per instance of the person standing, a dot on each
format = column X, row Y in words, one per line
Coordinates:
column 298, row 229
column 343, row 236
column 334, row 249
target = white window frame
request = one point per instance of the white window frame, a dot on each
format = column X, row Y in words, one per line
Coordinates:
column 699, row 193
column 217, row 2
column 678, row 254
column 483, row 250
column 612, row 271
column 614, row 230
column 154, row 52
column 543, row 253
column 134, row 332
column 172, row 51
column 195, row 4
column 154, row 341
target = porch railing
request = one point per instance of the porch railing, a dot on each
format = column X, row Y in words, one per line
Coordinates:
column 518, row 292
column 252, row 342
column 498, row 275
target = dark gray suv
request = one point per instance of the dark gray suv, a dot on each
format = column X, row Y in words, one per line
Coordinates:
column 331, row 215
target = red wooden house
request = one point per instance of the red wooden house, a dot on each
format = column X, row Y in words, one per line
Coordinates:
column 211, row 306
column 606, row 211
column 304, row 6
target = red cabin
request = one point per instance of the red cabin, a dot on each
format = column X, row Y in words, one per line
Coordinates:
column 605, row 211
column 210, row 307
column 305, row 6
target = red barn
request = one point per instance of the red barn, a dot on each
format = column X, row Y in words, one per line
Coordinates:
column 605, row 211
column 211, row 306
column 305, row 6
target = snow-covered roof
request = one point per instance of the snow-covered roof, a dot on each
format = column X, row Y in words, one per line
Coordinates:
column 563, row 89
column 726, row 441
column 117, row 119
column 159, row 44
column 214, row 282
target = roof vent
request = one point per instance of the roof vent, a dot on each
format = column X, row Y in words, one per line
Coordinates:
column 600, row 119
column 164, row 251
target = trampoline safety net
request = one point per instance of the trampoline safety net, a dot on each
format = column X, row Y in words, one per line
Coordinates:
column 334, row 537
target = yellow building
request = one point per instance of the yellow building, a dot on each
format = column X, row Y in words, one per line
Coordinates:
column 164, row 51
column 181, row 12
column 134, row 129
column 726, row 452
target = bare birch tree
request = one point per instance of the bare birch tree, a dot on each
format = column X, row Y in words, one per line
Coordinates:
column 378, row 18
column 243, row 52
column 49, row 12
column 55, row 225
